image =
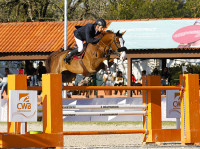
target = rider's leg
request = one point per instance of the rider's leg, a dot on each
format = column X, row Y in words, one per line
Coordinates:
column 79, row 44
column 70, row 54
column 74, row 51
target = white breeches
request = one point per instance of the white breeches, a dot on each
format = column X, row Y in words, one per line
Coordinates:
column 79, row 44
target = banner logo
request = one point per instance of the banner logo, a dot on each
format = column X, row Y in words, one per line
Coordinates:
column 24, row 102
column 176, row 103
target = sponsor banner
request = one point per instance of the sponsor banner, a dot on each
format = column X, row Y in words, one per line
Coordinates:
column 159, row 34
column 22, row 106
column 173, row 104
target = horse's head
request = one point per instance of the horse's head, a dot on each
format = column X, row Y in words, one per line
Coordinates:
column 115, row 43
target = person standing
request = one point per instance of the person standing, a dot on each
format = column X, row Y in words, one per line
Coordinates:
column 40, row 70
column 31, row 75
column 119, row 81
column 165, row 79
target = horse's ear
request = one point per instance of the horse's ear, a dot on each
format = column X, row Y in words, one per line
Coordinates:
column 118, row 34
column 123, row 33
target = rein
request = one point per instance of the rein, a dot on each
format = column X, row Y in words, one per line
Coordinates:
column 109, row 47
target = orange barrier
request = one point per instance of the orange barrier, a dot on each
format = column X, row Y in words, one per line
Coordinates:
column 102, row 132
column 122, row 88
column 52, row 135
column 39, row 88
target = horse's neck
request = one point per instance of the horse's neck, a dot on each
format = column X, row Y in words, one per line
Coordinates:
column 100, row 47
column 96, row 52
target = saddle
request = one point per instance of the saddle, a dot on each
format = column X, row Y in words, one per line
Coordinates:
column 79, row 57
column 81, row 54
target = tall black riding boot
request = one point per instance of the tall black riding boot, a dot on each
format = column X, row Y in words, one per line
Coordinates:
column 69, row 56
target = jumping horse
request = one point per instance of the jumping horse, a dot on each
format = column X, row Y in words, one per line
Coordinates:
column 91, row 60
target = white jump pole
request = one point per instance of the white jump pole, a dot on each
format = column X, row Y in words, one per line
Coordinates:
column 104, row 106
column 66, row 113
column 67, row 107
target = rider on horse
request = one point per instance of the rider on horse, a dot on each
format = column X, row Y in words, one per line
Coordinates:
column 86, row 33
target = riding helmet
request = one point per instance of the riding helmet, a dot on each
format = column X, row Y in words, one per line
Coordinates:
column 101, row 22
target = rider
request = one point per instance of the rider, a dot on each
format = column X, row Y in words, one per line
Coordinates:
column 86, row 33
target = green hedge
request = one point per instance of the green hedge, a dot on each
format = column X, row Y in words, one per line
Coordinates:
column 177, row 70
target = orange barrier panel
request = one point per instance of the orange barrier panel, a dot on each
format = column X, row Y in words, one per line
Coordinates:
column 16, row 82
column 52, row 135
column 101, row 132
column 190, row 116
column 152, row 122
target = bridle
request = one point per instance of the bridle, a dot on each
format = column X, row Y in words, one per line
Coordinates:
column 110, row 51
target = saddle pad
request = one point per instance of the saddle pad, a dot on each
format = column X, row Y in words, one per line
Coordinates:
column 76, row 57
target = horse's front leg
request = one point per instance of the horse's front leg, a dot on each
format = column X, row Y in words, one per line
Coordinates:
column 108, row 63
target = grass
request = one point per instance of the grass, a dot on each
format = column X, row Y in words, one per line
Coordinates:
column 169, row 123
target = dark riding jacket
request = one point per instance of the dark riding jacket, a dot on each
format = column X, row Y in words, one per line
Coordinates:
column 87, row 33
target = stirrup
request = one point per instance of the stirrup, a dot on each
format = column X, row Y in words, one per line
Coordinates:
column 67, row 59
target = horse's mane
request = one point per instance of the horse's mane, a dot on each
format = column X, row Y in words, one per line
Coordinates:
column 108, row 32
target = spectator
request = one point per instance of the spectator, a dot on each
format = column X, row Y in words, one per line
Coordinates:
column 133, row 80
column 31, row 75
column 119, row 80
column 165, row 79
column 155, row 72
column 144, row 73
column 40, row 70
column 190, row 71
column 4, row 81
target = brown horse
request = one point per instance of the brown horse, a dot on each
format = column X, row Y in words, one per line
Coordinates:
column 92, row 59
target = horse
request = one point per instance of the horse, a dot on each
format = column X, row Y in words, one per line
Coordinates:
column 92, row 58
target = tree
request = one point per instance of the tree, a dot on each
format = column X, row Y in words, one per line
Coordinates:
column 53, row 10
column 192, row 8
column 29, row 10
column 160, row 9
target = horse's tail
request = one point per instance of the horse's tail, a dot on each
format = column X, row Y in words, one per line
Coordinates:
column 47, row 63
column 49, row 59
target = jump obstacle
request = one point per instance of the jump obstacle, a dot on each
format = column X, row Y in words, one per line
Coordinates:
column 52, row 135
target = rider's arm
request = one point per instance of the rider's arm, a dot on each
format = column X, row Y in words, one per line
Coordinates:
column 89, row 38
